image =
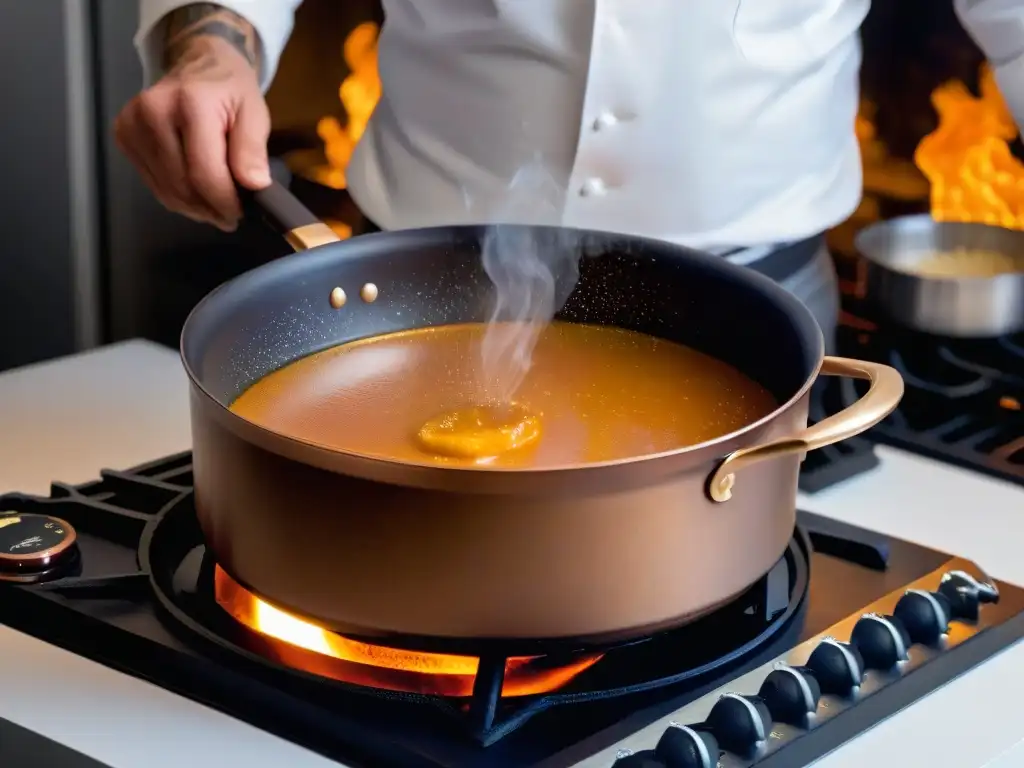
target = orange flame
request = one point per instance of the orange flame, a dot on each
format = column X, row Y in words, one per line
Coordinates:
column 967, row 159
column 359, row 94
column 305, row 646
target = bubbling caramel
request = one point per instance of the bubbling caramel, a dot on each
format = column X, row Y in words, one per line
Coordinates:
column 593, row 394
column 481, row 432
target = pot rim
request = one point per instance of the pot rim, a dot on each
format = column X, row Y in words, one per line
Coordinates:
column 376, row 467
column 925, row 222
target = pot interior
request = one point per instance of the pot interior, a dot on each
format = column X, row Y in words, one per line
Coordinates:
column 902, row 243
column 281, row 311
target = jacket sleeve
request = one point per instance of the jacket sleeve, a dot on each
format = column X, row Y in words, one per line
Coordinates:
column 997, row 26
column 272, row 20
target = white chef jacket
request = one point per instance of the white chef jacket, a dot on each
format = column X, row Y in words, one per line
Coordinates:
column 712, row 123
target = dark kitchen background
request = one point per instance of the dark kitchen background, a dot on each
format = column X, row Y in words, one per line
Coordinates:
column 87, row 256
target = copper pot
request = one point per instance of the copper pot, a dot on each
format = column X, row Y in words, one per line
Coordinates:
column 405, row 553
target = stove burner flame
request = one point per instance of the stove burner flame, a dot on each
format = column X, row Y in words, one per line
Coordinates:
column 303, row 645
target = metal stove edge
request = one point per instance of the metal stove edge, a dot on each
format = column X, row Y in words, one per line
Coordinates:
column 837, row 719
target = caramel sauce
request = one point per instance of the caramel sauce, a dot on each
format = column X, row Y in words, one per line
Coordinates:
column 594, row 393
column 481, row 432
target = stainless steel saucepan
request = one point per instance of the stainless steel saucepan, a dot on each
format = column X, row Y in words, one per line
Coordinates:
column 948, row 306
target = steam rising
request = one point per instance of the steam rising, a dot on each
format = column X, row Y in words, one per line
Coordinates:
column 533, row 273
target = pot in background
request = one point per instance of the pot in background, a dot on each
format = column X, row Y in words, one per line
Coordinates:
column 954, row 306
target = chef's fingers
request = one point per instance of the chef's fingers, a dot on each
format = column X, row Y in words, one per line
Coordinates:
column 247, row 143
column 145, row 133
column 148, row 176
column 166, row 158
column 203, row 120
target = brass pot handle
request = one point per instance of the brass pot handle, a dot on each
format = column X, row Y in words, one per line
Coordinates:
column 879, row 401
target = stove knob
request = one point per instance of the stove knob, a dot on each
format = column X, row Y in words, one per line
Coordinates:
column 739, row 723
column 791, row 694
column 881, row 640
column 687, row 746
column 644, row 759
column 837, row 667
column 925, row 615
column 35, row 547
column 966, row 594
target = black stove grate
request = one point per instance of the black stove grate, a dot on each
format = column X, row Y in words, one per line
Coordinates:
column 964, row 400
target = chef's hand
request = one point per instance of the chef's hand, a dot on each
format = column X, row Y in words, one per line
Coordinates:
column 201, row 127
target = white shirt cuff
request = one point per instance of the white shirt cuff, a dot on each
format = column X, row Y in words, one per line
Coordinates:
column 272, row 20
column 1010, row 78
column 997, row 26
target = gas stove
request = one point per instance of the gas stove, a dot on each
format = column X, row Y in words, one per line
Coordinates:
column 127, row 584
column 846, row 629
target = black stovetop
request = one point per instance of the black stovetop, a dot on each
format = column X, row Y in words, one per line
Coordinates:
column 963, row 404
column 964, row 400
column 123, row 603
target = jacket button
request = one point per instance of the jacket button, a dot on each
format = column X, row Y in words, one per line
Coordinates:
column 605, row 120
column 593, row 187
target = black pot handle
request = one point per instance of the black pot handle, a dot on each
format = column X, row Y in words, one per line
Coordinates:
column 286, row 215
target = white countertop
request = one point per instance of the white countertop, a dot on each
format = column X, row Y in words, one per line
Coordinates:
column 127, row 404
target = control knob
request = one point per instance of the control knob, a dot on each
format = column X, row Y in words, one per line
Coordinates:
column 925, row 615
column 882, row 641
column 35, row 547
column 644, row 759
column 966, row 594
column 687, row 746
column 837, row 667
column 739, row 722
column 791, row 694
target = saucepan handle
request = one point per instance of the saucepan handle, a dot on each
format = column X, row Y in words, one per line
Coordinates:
column 287, row 216
column 879, row 401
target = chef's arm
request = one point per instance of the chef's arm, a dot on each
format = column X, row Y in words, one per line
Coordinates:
column 997, row 26
column 258, row 28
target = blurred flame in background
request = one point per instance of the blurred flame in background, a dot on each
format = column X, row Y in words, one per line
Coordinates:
column 359, row 94
column 967, row 159
column 963, row 170
column 969, row 173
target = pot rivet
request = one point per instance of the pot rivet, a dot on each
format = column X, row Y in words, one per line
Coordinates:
column 724, row 490
column 369, row 293
column 338, row 298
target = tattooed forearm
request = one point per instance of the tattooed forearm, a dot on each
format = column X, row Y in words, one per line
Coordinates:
column 197, row 20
